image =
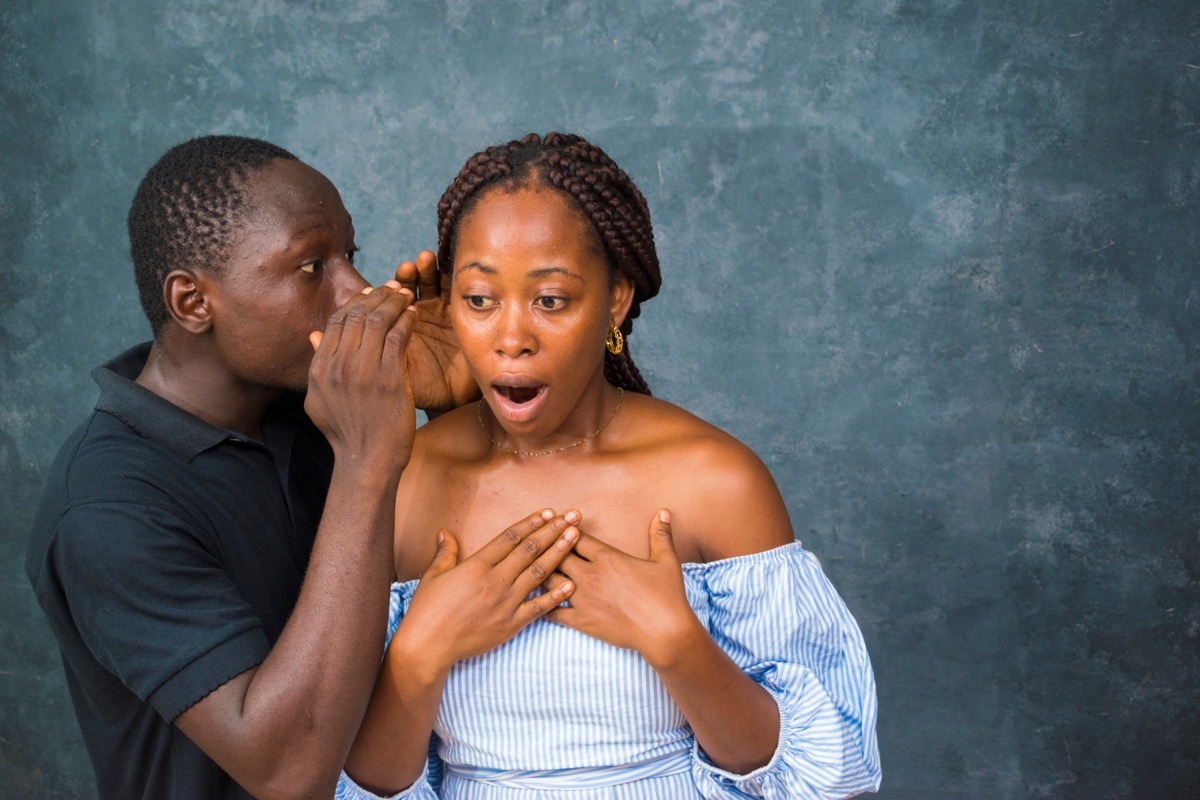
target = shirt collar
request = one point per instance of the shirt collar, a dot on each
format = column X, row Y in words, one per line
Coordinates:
column 151, row 416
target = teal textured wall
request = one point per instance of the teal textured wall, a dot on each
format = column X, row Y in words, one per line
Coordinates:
column 936, row 261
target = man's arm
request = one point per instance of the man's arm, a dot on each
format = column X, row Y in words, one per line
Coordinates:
column 283, row 728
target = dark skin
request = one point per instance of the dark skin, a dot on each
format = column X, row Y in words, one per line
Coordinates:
column 240, row 336
column 532, row 300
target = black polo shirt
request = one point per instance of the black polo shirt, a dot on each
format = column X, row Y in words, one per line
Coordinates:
column 167, row 555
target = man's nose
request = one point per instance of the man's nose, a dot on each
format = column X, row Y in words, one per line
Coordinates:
column 348, row 284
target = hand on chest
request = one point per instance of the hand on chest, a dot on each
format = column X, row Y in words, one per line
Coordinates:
column 618, row 504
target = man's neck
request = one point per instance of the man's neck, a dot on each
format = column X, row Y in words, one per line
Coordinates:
column 185, row 377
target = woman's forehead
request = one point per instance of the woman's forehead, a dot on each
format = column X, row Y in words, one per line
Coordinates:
column 537, row 218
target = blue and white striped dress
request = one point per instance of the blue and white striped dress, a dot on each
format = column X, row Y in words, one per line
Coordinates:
column 554, row 713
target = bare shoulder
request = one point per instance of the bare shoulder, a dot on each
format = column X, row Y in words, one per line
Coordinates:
column 442, row 448
column 426, row 497
column 728, row 502
column 452, row 436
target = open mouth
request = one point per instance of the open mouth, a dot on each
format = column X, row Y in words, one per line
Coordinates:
column 520, row 395
column 519, row 403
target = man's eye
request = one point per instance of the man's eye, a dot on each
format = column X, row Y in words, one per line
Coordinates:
column 311, row 267
column 350, row 254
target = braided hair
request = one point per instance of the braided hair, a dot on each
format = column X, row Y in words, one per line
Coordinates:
column 602, row 192
column 187, row 209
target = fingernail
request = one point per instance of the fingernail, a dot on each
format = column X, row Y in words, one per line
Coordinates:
column 567, row 587
column 571, row 517
column 570, row 534
column 665, row 516
column 368, row 289
column 392, row 284
column 547, row 514
column 441, row 536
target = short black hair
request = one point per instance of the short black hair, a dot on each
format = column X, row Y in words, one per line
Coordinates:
column 186, row 209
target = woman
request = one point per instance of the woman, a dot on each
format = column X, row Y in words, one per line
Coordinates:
column 702, row 652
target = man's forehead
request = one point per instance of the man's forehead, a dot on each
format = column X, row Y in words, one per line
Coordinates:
column 293, row 194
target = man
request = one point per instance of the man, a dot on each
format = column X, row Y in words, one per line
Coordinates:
column 213, row 549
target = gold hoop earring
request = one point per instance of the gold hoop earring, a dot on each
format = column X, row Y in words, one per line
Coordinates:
column 615, row 341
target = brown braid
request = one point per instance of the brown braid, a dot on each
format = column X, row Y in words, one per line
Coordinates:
column 600, row 189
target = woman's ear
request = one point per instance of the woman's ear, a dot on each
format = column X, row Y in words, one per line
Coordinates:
column 185, row 296
column 622, row 299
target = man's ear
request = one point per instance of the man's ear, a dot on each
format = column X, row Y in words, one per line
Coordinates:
column 622, row 299
column 185, row 295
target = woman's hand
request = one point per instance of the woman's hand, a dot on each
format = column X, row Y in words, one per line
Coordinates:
column 463, row 609
column 641, row 604
column 638, row 604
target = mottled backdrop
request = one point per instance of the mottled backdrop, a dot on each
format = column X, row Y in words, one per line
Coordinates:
column 936, row 261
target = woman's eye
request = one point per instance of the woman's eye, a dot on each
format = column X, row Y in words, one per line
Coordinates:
column 478, row 301
column 350, row 253
column 550, row 303
column 311, row 267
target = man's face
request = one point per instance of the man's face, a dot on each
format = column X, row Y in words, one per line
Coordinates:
column 289, row 268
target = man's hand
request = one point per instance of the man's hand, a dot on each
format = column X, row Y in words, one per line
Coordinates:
column 439, row 373
column 359, row 391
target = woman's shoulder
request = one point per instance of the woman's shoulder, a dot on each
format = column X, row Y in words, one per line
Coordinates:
column 733, row 506
column 451, row 436
column 669, row 431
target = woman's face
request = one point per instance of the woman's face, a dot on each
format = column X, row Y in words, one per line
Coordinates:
column 531, row 304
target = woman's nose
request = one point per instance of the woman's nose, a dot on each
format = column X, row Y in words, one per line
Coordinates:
column 515, row 336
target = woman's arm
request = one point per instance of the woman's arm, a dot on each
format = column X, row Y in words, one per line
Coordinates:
column 733, row 508
column 642, row 605
column 459, row 610
column 776, row 682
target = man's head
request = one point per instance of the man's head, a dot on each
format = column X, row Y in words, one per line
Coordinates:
column 187, row 208
column 242, row 249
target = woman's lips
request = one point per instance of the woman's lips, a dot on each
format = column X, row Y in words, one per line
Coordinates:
column 519, row 403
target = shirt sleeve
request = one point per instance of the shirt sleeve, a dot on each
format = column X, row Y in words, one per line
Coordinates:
column 427, row 785
column 347, row 789
column 152, row 603
column 779, row 618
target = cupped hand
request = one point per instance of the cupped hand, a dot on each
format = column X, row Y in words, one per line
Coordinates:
column 440, row 377
column 359, row 390
column 464, row 608
column 634, row 603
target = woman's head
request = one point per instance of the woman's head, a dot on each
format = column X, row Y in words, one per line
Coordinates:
column 598, row 190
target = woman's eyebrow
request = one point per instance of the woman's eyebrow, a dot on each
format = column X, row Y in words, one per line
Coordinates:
column 484, row 268
column 548, row 271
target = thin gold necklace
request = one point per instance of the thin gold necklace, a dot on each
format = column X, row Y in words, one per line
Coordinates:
column 502, row 448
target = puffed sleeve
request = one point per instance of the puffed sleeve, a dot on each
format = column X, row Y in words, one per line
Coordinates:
column 427, row 785
column 779, row 618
